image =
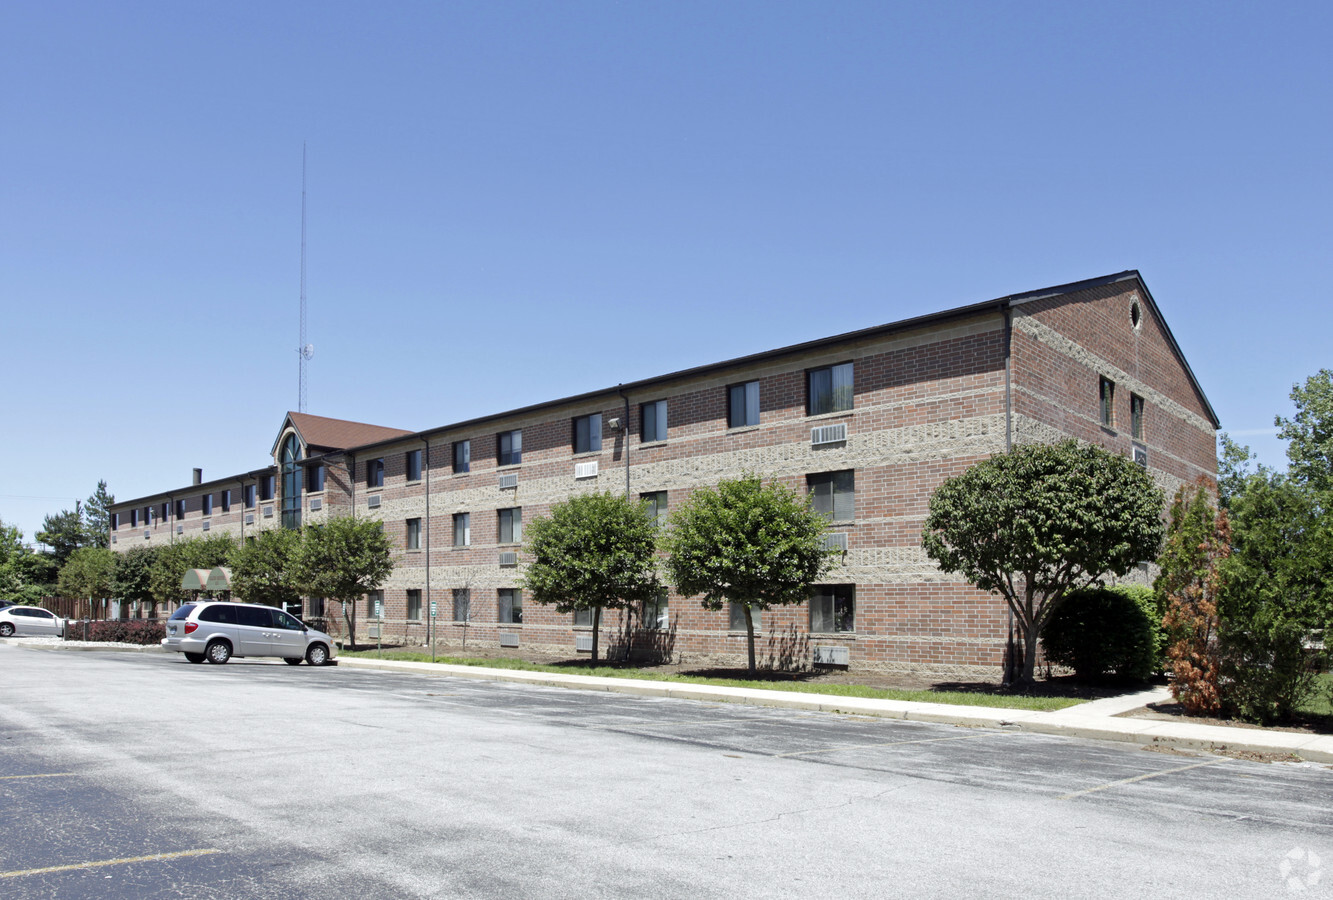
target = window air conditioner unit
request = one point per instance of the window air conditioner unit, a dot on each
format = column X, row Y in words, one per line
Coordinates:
column 268, row 512
column 207, row 524
column 113, row 538
column 582, row 643
column 147, row 534
column 836, row 540
column 509, row 558
column 509, row 481
column 249, row 518
column 829, row 656
column 585, row 469
column 1141, row 456
column 373, row 501
column 316, row 503
column 828, row 434
column 180, row 529
column 508, row 639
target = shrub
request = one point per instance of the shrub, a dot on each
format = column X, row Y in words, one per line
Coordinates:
column 1267, row 672
column 129, row 631
column 1106, row 632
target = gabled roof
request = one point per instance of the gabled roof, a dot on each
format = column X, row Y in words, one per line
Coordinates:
column 320, row 433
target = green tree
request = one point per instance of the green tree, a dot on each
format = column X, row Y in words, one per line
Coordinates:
column 595, row 551
column 64, row 533
column 343, row 559
column 134, row 572
column 23, row 573
column 88, row 574
column 1187, row 591
column 97, row 516
column 263, row 570
column 1309, row 433
column 1040, row 521
column 747, row 543
column 173, row 559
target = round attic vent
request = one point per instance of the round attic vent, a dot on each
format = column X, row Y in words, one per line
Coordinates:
column 1135, row 313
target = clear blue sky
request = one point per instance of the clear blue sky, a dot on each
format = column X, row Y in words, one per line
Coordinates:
column 513, row 202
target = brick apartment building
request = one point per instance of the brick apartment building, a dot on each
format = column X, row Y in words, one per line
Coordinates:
column 870, row 422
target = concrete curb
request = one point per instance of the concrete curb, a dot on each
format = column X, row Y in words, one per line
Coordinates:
column 30, row 644
column 1095, row 721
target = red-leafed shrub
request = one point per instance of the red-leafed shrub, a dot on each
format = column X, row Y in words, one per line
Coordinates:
column 129, row 631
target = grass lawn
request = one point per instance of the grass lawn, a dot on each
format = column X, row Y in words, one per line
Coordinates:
column 961, row 698
column 1321, row 701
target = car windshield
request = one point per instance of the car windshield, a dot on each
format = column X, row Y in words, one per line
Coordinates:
column 182, row 613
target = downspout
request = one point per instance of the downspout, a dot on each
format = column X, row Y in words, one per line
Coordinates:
column 624, row 427
column 430, row 617
column 1009, row 445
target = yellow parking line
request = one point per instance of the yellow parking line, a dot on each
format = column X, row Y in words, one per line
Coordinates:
column 1145, row 777
column 48, row 775
column 966, row 737
column 156, row 857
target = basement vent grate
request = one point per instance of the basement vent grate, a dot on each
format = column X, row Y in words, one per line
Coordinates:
column 582, row 643
column 508, row 639
column 829, row 656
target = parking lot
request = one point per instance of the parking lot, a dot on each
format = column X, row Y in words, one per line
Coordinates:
column 139, row 775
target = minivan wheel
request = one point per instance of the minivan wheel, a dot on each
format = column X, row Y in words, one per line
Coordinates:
column 218, row 652
column 195, row 657
column 6, row 629
column 317, row 655
column 292, row 660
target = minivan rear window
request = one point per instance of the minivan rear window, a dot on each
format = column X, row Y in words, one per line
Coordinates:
column 220, row 613
column 182, row 613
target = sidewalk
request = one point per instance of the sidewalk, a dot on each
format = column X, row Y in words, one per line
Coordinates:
column 1097, row 720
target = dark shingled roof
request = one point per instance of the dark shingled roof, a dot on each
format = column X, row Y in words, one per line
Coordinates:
column 322, row 433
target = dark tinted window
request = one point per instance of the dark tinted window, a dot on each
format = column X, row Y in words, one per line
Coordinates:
column 257, row 616
column 282, row 620
column 183, row 612
column 221, row 613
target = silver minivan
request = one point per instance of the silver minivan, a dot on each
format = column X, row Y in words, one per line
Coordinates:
column 218, row 630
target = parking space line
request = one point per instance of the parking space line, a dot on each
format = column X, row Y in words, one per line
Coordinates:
column 965, row 737
column 1144, row 777
column 156, row 857
column 46, row 775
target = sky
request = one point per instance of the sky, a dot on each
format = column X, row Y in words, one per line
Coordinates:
column 512, row 202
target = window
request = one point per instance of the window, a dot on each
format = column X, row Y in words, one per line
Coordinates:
column 413, row 465
column 511, row 525
column 375, row 605
column 207, row 502
column 1106, row 389
column 375, row 473
column 832, row 608
column 314, row 479
column 583, row 617
column 115, row 521
column 736, row 617
column 588, row 433
column 830, row 389
column 316, row 607
column 226, row 500
column 1136, row 416
column 462, row 457
column 462, row 529
column 743, row 404
column 414, row 604
column 180, row 509
column 653, row 421
column 266, row 485
column 834, row 494
column 292, row 477
column 653, row 614
column 510, row 606
column 656, row 503
column 413, row 534
column 148, row 515
column 162, row 515
column 510, row 449
column 248, row 496
column 462, row 605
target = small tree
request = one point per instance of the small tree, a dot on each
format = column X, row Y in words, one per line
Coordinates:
column 343, row 559
column 1198, row 541
column 1040, row 521
column 594, row 552
column 97, row 516
column 1310, row 431
column 64, row 533
column 22, row 572
column 171, row 561
column 88, row 574
column 133, row 582
column 264, row 570
column 747, row 543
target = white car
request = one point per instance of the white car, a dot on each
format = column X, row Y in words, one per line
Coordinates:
column 29, row 620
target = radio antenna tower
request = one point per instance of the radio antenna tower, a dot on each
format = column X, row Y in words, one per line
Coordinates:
column 303, row 350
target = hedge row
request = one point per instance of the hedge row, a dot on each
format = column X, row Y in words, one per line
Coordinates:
column 129, row 631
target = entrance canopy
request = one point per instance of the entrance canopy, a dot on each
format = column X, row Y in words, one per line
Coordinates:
column 219, row 579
